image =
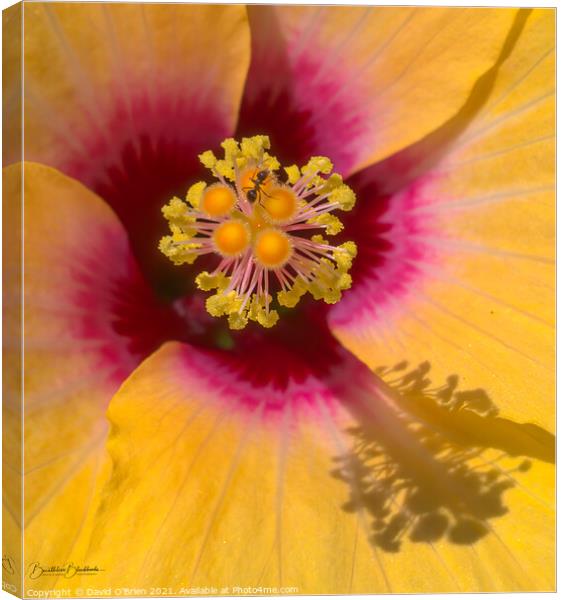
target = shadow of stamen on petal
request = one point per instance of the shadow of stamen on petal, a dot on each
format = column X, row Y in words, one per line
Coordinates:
column 428, row 463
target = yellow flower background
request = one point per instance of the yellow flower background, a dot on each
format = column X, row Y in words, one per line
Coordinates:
column 399, row 441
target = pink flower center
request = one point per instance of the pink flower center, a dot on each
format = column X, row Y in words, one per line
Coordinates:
column 135, row 176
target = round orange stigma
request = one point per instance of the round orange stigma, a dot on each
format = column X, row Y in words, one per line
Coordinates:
column 231, row 238
column 280, row 204
column 218, row 200
column 272, row 248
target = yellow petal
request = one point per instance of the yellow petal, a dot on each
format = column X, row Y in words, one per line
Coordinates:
column 67, row 387
column 470, row 285
column 97, row 76
column 210, row 492
column 11, row 383
column 121, row 98
column 77, row 262
column 360, row 83
column 12, row 82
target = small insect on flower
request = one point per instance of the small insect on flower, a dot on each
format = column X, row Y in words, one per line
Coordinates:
column 263, row 246
column 258, row 181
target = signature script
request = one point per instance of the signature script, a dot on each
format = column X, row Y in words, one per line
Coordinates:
column 68, row 571
column 8, row 564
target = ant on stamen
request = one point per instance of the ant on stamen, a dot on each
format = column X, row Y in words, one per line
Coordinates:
column 258, row 180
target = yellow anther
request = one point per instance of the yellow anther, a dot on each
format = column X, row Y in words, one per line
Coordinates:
column 206, row 282
column 223, row 304
column 231, row 149
column 268, row 319
column 344, row 281
column 258, row 312
column 175, row 209
column 208, row 159
column 218, row 200
column 254, row 147
column 293, row 174
column 334, row 181
column 318, row 239
column 280, row 203
column 331, row 222
column 225, row 169
column 178, row 248
column 344, row 196
column 177, row 214
column 195, row 193
column 231, row 238
column 318, row 164
column 237, row 320
column 272, row 248
column 270, row 162
column 344, row 255
column 290, row 298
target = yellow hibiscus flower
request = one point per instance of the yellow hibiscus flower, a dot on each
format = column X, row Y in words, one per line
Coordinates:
column 398, row 440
